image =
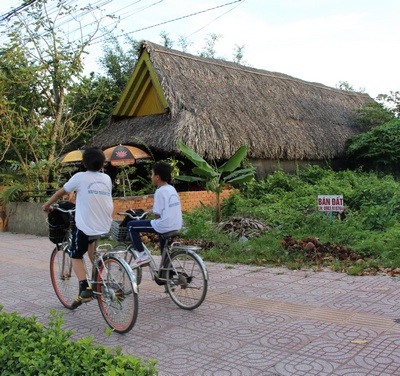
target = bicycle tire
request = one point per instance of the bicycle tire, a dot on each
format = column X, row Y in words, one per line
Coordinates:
column 117, row 293
column 189, row 279
column 63, row 278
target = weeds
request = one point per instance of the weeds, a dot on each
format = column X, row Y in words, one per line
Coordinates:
column 288, row 204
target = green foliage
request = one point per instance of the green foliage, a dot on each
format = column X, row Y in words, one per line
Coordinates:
column 129, row 183
column 40, row 68
column 288, row 203
column 46, row 104
column 20, row 178
column 378, row 149
column 174, row 163
column 29, row 348
column 198, row 223
column 391, row 102
column 214, row 177
column 373, row 114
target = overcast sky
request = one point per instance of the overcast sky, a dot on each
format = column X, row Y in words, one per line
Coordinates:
column 323, row 41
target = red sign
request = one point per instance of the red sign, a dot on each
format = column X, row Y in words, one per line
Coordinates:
column 330, row 203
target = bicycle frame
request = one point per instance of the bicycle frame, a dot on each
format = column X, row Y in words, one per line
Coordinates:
column 101, row 253
column 155, row 270
column 180, row 269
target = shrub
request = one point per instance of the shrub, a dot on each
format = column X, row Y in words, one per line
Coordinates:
column 29, row 348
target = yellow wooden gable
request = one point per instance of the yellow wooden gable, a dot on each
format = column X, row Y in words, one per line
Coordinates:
column 143, row 94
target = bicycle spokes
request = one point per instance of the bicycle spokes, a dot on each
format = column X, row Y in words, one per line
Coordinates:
column 117, row 298
column 186, row 280
column 63, row 279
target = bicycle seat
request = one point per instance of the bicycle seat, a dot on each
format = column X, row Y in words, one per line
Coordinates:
column 170, row 234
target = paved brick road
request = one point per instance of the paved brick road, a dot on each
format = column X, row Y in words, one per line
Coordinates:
column 255, row 320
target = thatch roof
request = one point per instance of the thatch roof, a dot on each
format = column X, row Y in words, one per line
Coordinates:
column 215, row 106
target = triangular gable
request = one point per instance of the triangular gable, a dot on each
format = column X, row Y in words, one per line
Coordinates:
column 143, row 94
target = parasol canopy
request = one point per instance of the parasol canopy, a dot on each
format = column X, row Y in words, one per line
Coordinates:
column 71, row 157
column 124, row 154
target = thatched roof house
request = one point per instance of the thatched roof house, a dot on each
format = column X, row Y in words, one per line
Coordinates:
column 215, row 106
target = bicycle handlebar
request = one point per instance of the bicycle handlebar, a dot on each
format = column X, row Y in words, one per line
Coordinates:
column 136, row 217
column 57, row 207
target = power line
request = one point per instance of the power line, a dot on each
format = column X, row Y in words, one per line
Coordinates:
column 16, row 10
column 216, row 18
column 177, row 19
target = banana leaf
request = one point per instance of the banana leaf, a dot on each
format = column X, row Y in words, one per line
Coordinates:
column 194, row 157
column 239, row 172
column 234, row 162
column 242, row 179
column 188, row 178
column 207, row 174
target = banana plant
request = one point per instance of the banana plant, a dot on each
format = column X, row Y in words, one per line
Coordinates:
column 216, row 178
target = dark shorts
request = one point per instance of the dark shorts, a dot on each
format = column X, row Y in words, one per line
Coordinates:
column 136, row 227
column 80, row 244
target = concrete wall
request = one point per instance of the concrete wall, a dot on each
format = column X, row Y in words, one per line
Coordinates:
column 29, row 218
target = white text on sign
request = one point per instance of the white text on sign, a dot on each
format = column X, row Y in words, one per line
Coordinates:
column 330, row 203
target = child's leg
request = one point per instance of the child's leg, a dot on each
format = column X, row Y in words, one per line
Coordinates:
column 79, row 269
column 135, row 228
column 80, row 245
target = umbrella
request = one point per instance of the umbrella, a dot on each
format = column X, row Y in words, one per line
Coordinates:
column 71, row 157
column 124, row 154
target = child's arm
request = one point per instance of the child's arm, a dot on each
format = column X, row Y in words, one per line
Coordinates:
column 59, row 194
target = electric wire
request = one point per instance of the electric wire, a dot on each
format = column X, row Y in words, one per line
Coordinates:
column 178, row 18
column 8, row 15
column 53, row 10
column 216, row 18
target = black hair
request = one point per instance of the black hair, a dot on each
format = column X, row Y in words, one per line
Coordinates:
column 93, row 159
column 163, row 170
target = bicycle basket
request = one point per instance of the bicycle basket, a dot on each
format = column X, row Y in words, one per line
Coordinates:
column 60, row 222
column 118, row 232
column 57, row 233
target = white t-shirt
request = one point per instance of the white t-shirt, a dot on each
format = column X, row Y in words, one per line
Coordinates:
column 94, row 204
column 168, row 206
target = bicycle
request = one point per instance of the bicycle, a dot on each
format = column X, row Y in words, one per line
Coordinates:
column 111, row 279
column 181, row 270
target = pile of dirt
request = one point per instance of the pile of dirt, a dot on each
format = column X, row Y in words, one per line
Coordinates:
column 312, row 249
column 321, row 254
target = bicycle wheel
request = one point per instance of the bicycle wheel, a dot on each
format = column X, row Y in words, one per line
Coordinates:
column 130, row 256
column 64, row 280
column 186, row 280
column 117, row 294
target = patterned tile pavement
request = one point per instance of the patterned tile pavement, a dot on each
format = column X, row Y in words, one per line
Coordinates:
column 255, row 320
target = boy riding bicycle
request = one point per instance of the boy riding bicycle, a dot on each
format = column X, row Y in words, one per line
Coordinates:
column 167, row 210
column 93, row 215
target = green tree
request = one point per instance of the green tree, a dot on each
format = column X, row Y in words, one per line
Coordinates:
column 209, row 50
column 391, row 102
column 238, row 54
column 40, row 67
column 379, row 148
column 101, row 90
column 214, row 177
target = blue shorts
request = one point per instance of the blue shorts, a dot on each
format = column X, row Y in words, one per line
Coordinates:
column 80, row 244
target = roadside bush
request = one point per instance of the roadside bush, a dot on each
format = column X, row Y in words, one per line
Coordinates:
column 29, row 348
